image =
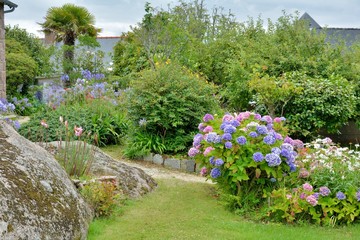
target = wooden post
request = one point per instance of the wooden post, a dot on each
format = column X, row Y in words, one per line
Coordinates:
column 2, row 53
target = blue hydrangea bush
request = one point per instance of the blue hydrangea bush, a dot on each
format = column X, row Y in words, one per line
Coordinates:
column 260, row 169
column 245, row 153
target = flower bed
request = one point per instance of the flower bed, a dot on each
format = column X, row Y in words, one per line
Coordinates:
column 258, row 167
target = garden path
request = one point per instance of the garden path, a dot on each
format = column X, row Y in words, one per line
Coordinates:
column 157, row 171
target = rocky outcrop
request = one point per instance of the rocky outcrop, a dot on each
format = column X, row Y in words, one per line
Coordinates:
column 133, row 181
column 37, row 200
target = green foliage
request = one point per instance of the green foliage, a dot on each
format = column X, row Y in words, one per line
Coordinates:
column 21, row 68
column 101, row 118
column 324, row 104
column 33, row 47
column 102, row 197
column 170, row 99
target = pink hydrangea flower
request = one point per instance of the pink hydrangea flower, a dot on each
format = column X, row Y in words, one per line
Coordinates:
column 312, row 200
column 208, row 129
column 193, row 151
column 227, row 117
column 307, row 187
column 208, row 150
column 203, row 171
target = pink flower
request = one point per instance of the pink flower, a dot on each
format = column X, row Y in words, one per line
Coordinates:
column 303, row 173
column 208, row 117
column 208, row 150
column 288, row 196
column 312, row 200
column 227, row 117
column 208, row 129
column 193, row 151
column 78, row 131
column 307, row 187
column 302, row 196
column 44, row 124
column 203, row 171
column 277, row 120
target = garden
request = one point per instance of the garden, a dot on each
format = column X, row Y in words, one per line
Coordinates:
column 252, row 105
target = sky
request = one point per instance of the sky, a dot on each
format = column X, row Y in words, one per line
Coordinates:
column 116, row 16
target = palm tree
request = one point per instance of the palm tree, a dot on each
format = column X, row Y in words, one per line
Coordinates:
column 66, row 24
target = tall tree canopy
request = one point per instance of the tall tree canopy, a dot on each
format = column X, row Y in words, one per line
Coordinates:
column 67, row 23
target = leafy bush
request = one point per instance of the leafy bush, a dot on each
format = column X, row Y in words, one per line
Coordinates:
column 21, row 68
column 97, row 116
column 324, row 104
column 102, row 196
column 277, row 178
column 169, row 100
column 245, row 154
column 327, row 189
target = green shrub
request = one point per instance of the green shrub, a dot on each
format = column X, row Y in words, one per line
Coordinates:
column 102, row 197
column 324, row 104
column 166, row 102
column 97, row 116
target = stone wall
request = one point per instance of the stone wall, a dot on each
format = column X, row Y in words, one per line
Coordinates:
column 169, row 162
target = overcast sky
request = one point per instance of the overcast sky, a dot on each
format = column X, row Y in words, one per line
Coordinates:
column 116, row 16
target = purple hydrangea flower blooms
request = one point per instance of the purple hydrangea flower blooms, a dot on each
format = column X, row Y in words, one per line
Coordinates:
column 316, row 195
column 226, row 136
column 235, row 123
column 278, row 136
column 197, row 139
column 340, row 195
column 228, row 145
column 193, row 151
column 285, row 153
column 229, row 129
column 241, row 140
column 201, row 126
column 253, row 134
column 266, row 119
column 208, row 117
column 212, row 160
column 358, row 195
column 269, row 126
column 215, row 173
column 288, row 140
column 257, row 116
column 272, row 159
column 287, row 146
column 258, row 157
column 262, row 129
column 224, row 125
column 217, row 139
column 292, row 167
column 269, row 140
column 210, row 137
column 219, row 162
column 276, row 150
column 283, row 118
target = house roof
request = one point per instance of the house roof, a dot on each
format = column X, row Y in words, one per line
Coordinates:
column 312, row 23
column 349, row 35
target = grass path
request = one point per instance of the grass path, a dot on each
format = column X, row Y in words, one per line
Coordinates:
column 186, row 210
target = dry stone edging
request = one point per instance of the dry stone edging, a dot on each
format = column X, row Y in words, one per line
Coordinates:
column 37, row 200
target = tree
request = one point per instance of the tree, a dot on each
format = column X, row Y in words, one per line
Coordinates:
column 67, row 23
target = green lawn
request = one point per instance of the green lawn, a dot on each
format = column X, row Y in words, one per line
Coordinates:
column 183, row 210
